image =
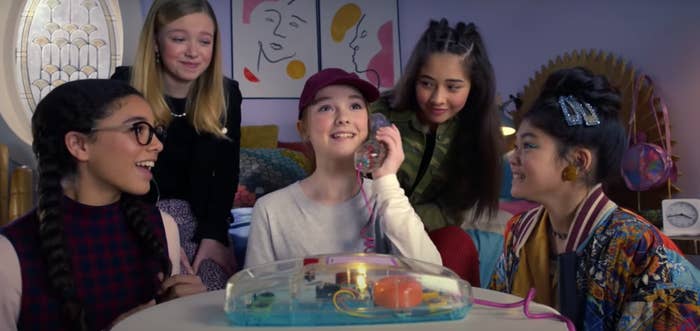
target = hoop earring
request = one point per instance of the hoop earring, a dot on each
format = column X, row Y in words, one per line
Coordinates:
column 569, row 174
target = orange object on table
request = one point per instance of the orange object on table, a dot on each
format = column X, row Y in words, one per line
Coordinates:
column 398, row 292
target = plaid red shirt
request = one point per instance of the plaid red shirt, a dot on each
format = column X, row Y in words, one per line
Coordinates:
column 112, row 273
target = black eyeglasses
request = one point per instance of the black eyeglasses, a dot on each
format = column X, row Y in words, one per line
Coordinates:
column 143, row 131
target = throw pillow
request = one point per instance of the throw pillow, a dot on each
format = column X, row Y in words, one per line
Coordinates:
column 300, row 158
column 264, row 170
column 259, row 136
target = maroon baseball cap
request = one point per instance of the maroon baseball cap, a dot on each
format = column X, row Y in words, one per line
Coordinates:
column 334, row 76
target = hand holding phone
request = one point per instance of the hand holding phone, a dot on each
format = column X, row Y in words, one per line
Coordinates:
column 370, row 155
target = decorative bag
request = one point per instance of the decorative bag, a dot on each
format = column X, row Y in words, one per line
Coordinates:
column 646, row 165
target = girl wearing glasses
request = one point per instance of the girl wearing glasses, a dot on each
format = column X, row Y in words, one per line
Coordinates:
column 91, row 252
column 179, row 71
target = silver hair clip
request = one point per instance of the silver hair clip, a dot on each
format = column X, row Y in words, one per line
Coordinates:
column 577, row 113
column 468, row 49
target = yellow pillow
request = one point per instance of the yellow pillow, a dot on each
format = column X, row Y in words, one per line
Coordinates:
column 300, row 158
column 259, row 136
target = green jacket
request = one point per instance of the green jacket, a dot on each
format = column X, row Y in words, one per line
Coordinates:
column 426, row 194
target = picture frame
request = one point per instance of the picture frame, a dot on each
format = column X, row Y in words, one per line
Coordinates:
column 278, row 44
column 275, row 46
column 361, row 36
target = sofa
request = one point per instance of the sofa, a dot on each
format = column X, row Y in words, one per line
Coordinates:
column 266, row 165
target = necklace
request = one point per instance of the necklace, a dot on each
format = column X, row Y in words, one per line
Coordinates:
column 178, row 115
column 558, row 235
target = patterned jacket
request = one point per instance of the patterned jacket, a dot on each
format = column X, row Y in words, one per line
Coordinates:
column 618, row 271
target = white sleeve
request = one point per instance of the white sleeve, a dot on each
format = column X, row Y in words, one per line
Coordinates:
column 259, row 249
column 401, row 223
column 10, row 285
column 172, row 237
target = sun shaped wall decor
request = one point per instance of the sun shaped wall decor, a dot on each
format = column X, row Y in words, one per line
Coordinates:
column 622, row 76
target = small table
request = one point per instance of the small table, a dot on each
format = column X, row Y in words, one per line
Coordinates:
column 204, row 312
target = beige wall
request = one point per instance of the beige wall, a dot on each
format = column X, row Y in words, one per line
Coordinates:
column 15, row 128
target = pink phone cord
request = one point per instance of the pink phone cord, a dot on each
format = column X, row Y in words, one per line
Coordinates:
column 368, row 240
column 526, row 309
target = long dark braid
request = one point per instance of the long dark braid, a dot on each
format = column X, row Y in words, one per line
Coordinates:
column 136, row 217
column 73, row 106
column 53, row 248
column 479, row 131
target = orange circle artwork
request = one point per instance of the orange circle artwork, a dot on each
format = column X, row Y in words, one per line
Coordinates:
column 296, row 69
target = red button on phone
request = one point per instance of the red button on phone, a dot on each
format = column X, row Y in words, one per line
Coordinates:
column 397, row 292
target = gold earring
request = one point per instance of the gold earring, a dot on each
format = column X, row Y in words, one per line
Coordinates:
column 570, row 173
column 157, row 57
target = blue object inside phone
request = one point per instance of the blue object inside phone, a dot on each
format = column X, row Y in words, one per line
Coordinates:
column 345, row 289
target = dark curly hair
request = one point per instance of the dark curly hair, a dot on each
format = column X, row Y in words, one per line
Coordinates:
column 607, row 140
column 474, row 161
column 76, row 106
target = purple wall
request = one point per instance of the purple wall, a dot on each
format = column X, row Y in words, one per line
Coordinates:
column 656, row 38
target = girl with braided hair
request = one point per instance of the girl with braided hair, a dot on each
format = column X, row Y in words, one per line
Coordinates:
column 90, row 253
column 444, row 108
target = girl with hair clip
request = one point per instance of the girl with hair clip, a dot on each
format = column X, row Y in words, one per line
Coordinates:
column 444, row 107
column 91, row 252
column 335, row 210
column 603, row 266
column 179, row 72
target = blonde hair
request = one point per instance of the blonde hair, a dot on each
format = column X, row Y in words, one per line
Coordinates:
column 206, row 102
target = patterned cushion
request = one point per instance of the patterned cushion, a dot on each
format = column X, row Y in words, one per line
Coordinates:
column 300, row 158
column 299, row 146
column 263, row 170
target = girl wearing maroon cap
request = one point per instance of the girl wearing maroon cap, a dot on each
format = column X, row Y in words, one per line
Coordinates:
column 335, row 209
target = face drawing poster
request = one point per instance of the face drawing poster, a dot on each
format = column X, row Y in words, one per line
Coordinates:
column 361, row 36
column 274, row 46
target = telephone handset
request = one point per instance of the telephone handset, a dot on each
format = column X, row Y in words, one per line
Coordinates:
column 371, row 154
